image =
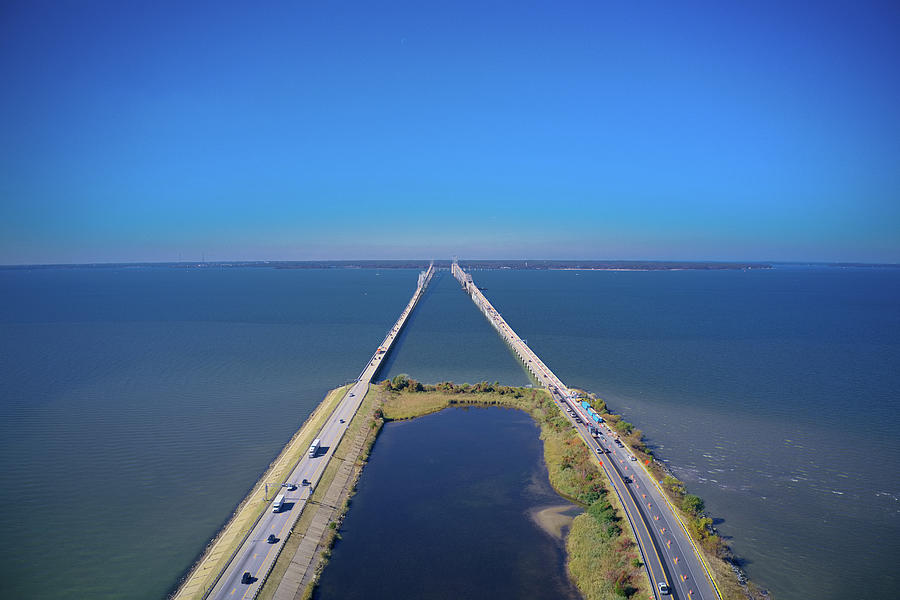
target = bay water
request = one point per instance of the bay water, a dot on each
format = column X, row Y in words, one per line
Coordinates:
column 138, row 405
column 772, row 393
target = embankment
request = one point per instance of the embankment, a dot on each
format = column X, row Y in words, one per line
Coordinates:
column 603, row 558
column 217, row 554
column 731, row 582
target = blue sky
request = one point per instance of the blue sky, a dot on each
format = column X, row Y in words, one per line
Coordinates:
column 153, row 131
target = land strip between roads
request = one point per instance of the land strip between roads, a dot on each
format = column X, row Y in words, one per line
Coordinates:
column 220, row 550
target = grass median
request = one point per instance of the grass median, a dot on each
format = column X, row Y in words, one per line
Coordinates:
column 204, row 572
column 729, row 579
column 602, row 554
column 362, row 420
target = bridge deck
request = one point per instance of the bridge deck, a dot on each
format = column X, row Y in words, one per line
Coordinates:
column 670, row 555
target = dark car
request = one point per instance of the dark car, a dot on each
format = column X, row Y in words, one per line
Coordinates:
column 246, row 577
column 271, row 539
column 305, row 482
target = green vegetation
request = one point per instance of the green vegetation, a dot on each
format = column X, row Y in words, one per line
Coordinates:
column 217, row 555
column 364, row 418
column 603, row 558
column 731, row 582
column 692, row 505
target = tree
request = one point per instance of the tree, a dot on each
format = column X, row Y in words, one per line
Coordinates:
column 677, row 487
column 692, row 504
column 399, row 382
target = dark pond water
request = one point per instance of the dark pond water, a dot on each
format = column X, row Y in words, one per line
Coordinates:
column 444, row 511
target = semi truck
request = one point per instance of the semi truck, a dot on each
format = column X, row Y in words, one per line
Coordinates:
column 314, row 448
column 279, row 503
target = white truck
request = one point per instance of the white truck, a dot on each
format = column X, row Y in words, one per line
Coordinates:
column 314, row 448
column 279, row 503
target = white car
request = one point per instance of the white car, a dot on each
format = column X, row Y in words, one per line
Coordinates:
column 662, row 587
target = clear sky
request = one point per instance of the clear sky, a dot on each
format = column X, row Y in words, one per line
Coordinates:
column 153, row 131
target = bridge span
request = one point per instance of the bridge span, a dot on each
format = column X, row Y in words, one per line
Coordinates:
column 674, row 564
column 256, row 555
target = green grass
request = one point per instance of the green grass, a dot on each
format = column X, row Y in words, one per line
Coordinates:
column 409, row 406
column 601, row 553
column 362, row 419
column 716, row 553
column 230, row 536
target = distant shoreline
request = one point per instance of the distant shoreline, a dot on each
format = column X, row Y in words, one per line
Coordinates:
column 541, row 265
column 516, row 265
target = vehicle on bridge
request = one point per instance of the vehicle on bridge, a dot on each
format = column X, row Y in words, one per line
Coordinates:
column 314, row 448
column 279, row 503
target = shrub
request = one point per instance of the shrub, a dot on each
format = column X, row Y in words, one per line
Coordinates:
column 692, row 504
column 674, row 485
column 399, row 382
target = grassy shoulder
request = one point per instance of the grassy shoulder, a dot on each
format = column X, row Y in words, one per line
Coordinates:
column 603, row 557
column 363, row 420
column 689, row 508
column 204, row 572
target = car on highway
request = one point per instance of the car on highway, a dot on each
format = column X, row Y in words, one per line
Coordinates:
column 304, row 482
column 341, row 420
column 632, row 458
column 246, row 577
column 271, row 539
column 662, row 587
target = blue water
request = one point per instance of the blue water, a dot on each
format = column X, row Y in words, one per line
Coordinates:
column 772, row 393
column 138, row 407
column 442, row 511
column 446, row 340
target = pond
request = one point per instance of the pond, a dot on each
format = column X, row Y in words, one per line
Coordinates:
column 456, row 504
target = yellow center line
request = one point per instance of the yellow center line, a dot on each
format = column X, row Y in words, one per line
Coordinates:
column 646, row 527
column 690, row 539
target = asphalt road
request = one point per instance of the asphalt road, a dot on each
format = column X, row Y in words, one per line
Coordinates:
column 667, row 551
column 257, row 556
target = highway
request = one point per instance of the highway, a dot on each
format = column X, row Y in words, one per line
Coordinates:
column 669, row 555
column 256, row 555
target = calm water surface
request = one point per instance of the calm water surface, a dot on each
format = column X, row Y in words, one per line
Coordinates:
column 446, row 340
column 138, row 406
column 772, row 393
column 442, row 512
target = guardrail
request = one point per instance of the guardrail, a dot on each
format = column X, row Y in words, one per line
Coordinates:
column 398, row 324
column 550, row 380
column 686, row 533
column 395, row 330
